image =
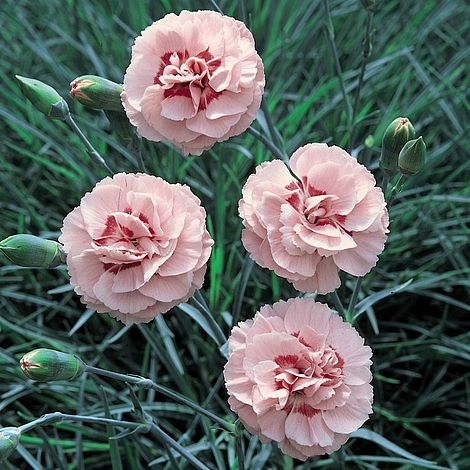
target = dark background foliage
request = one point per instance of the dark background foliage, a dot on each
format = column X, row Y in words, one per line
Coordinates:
column 418, row 68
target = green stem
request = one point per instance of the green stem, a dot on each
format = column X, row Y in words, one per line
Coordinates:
column 278, row 142
column 136, row 147
column 240, row 453
column 331, row 38
column 150, row 384
column 338, row 303
column 58, row 417
column 207, row 314
column 395, row 190
column 94, row 155
column 385, row 181
column 163, row 436
column 268, row 144
column 365, row 58
column 244, row 276
column 353, row 301
column 357, row 287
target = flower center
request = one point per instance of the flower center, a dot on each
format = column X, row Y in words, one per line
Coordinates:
column 305, row 375
column 189, row 76
column 127, row 239
column 314, row 204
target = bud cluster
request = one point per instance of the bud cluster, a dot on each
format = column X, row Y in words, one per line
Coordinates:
column 400, row 149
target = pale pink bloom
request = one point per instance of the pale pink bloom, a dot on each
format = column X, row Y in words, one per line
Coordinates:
column 136, row 246
column 325, row 216
column 299, row 375
column 194, row 79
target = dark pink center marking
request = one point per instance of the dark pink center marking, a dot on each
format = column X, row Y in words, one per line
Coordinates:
column 208, row 94
column 288, row 360
column 306, row 410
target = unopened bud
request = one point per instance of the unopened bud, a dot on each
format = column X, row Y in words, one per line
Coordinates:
column 47, row 365
column 412, row 157
column 97, row 92
column 9, row 440
column 32, row 252
column 44, row 98
column 396, row 135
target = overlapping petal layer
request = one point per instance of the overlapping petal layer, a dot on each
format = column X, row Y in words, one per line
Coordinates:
column 194, row 79
column 325, row 217
column 299, row 375
column 136, row 246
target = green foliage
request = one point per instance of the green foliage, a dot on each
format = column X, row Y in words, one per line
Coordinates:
column 419, row 335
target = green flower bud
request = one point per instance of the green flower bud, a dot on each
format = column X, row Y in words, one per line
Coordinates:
column 396, row 135
column 46, row 365
column 9, row 440
column 32, row 252
column 97, row 92
column 44, row 98
column 412, row 157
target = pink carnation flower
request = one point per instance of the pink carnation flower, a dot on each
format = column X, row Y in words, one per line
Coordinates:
column 300, row 376
column 136, row 246
column 194, row 79
column 330, row 216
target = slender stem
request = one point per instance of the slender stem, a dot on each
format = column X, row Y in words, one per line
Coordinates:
column 357, row 287
column 268, row 144
column 395, row 190
column 162, row 435
column 340, row 456
column 278, row 142
column 60, row 417
column 207, row 314
column 240, row 453
column 150, row 384
column 189, row 430
column 353, row 301
column 136, row 147
column 365, row 59
column 385, row 181
column 94, row 155
column 244, row 276
column 331, row 38
column 216, row 6
column 338, row 303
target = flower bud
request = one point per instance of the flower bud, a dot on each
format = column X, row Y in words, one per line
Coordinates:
column 32, row 252
column 396, row 135
column 46, row 365
column 412, row 157
column 44, row 98
column 97, row 92
column 9, row 440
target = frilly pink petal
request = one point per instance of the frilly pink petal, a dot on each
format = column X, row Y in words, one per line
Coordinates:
column 299, row 375
column 194, row 79
column 328, row 216
column 136, row 246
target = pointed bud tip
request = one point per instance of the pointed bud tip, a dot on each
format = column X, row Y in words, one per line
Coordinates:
column 412, row 157
column 44, row 97
column 97, row 92
column 398, row 132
